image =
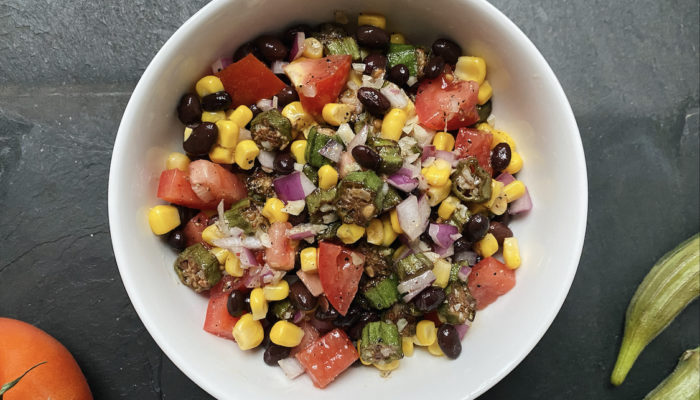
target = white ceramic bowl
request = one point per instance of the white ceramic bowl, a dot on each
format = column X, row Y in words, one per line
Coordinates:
column 528, row 103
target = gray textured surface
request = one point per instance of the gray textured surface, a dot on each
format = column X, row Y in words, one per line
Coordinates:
column 629, row 68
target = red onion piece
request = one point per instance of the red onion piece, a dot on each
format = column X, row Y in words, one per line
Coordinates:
column 301, row 235
column 220, row 64
column 462, row 330
column 298, row 316
column 297, row 46
column 521, row 205
column 428, row 151
column 442, row 234
column 359, row 139
column 247, row 258
column 267, row 159
column 413, row 217
column 332, row 150
column 505, row 178
column 277, row 67
column 463, row 273
column 291, row 367
column 405, row 252
column 264, row 104
column 468, row 256
column 418, row 283
column 295, row 186
column 312, row 282
column 448, row 156
column 444, row 251
column 402, row 182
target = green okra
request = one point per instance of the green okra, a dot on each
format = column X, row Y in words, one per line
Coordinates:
column 672, row 283
column 391, row 199
column 459, row 306
column 198, row 268
column 271, row 130
column 359, row 197
column 380, row 343
column 684, row 381
column 246, row 216
column 403, row 54
column 318, row 138
column 412, row 266
column 345, row 45
column 381, row 292
column 390, row 159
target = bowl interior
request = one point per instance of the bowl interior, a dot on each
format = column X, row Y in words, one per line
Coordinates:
column 528, row 103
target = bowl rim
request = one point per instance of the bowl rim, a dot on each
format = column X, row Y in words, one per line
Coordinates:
column 131, row 110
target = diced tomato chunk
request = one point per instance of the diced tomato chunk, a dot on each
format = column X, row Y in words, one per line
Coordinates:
column 310, row 336
column 174, row 187
column 249, row 80
column 218, row 321
column 475, row 143
column 193, row 229
column 443, row 104
column 488, row 280
column 280, row 255
column 319, row 81
column 212, row 183
column 340, row 271
column 328, row 357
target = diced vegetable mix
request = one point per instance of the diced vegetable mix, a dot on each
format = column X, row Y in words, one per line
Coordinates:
column 355, row 211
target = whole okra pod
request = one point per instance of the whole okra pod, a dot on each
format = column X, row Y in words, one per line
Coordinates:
column 684, row 381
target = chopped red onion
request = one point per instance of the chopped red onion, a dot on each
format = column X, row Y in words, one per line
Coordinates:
column 428, row 151
column 416, row 285
column 444, row 251
column 267, row 159
column 468, row 256
column 312, row 282
column 247, row 258
column 301, row 235
column 413, row 216
column 402, row 182
column 298, row 316
column 463, row 273
column 462, row 330
column 521, row 205
column 358, row 67
column 405, row 252
column 291, row 367
column 297, row 46
column 442, row 234
column 277, row 67
column 220, row 64
column 295, row 186
column 332, row 150
column 347, row 164
column 235, row 242
column 448, row 156
column 264, row 104
column 505, row 178
column 359, row 139
column 396, row 96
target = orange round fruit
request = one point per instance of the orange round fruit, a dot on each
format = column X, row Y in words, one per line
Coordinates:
column 23, row 346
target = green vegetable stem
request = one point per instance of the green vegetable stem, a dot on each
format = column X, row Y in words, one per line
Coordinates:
column 668, row 288
column 684, row 381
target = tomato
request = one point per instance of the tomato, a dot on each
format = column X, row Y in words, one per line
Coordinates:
column 319, row 81
column 310, row 336
column 311, row 281
column 249, row 80
column 447, row 105
column 340, row 271
column 212, row 183
column 23, row 346
column 488, row 280
column 281, row 254
column 174, row 187
column 193, row 229
column 328, row 357
column 218, row 321
column 476, row 143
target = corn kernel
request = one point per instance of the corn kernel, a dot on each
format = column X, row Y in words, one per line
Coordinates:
column 500, row 205
column 248, row 332
column 447, row 207
column 501, row 137
column 485, row 126
column 336, row 114
column 211, row 233
column 208, row 85
column 516, row 163
column 485, row 93
column 407, row 346
column 435, row 349
column 426, row 332
column 444, row 141
column 496, row 189
column 394, row 217
column 327, row 177
column 233, row 266
column 188, row 132
column 298, row 150
column 399, row 251
column 163, row 219
column 228, row 133
column 350, row 233
column 438, row 173
column 441, row 269
column 258, row 304
column 377, row 20
column 487, row 246
column 177, row 160
column 397, row 38
column 299, row 118
column 312, row 48
column 375, row 232
column 436, row 194
column 273, row 210
column 471, row 69
column 392, row 125
column 514, row 190
column 240, row 116
column 213, row 116
column 245, row 154
column 390, row 366
column 511, row 252
column 221, row 155
column 220, row 254
column 388, row 231
column 276, row 292
column 285, row 333
column 308, row 259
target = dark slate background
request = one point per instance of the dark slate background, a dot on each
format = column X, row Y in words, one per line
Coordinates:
column 629, row 68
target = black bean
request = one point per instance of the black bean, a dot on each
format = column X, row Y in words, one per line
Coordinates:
column 286, row 96
column 291, row 34
column 366, row 157
column 366, row 317
column 271, row 48
column 283, row 164
column 216, row 101
column 238, row 303
column 349, row 319
column 504, row 218
column 372, row 37
column 299, row 219
column 374, row 101
column 448, row 340
column 461, row 245
column 399, row 74
column 186, row 214
column 500, row 157
column 255, row 109
column 499, row 231
column 201, row 139
column 189, row 111
column 321, row 326
column 429, row 299
column 447, row 49
column 245, row 49
column 176, row 240
column 284, row 78
column 374, row 61
column 275, row 353
column 300, row 297
column 476, row 228
column 434, row 67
